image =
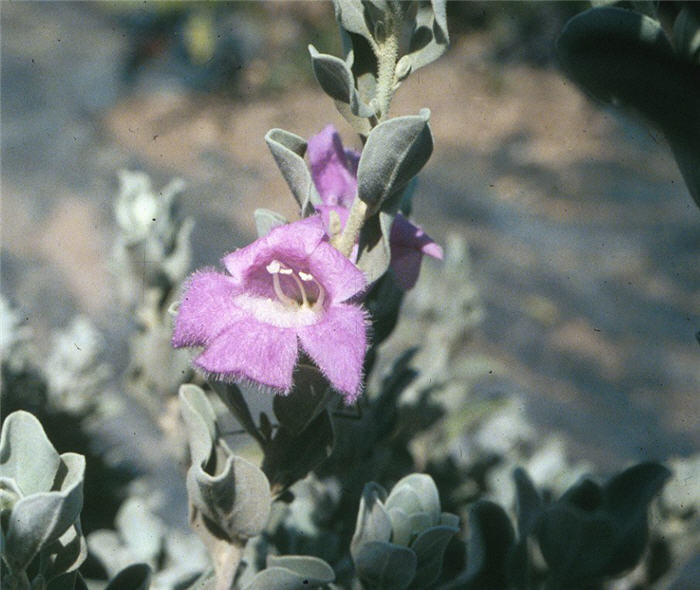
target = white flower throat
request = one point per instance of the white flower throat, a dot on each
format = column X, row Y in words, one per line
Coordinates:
column 304, row 296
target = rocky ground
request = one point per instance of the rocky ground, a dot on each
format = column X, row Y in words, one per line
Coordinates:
column 583, row 238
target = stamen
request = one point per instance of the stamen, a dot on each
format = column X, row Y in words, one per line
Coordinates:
column 275, row 268
column 305, row 276
column 304, row 299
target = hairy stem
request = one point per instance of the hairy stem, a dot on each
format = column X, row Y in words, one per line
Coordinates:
column 345, row 241
column 387, row 53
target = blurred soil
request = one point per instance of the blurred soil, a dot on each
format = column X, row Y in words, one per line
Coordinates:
column 583, row 237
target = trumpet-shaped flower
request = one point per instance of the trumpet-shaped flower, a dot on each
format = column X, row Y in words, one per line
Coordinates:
column 334, row 172
column 288, row 289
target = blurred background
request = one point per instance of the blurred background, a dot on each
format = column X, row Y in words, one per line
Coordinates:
column 583, row 241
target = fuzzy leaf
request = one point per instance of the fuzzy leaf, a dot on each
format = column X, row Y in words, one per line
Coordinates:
column 385, row 565
column 133, row 577
column 200, row 421
column 67, row 581
column 233, row 399
column 280, row 578
column 67, row 553
column 491, row 537
column 528, row 502
column 336, row 80
column 351, row 16
column 309, row 396
column 373, row 521
column 290, row 457
column 26, row 454
column 686, row 33
column 288, row 150
column 416, row 492
column 429, row 548
column 266, row 221
column 395, row 152
column 237, row 499
column 576, row 545
column 40, row 519
column 429, row 39
column 624, row 57
column 313, row 569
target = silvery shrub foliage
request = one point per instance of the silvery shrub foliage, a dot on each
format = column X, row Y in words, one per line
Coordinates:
column 329, row 495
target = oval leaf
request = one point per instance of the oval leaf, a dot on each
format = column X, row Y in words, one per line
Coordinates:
column 395, row 152
column 40, row 519
column 624, row 57
column 491, row 537
column 335, row 77
column 288, row 150
column 278, row 578
column 200, row 421
column 26, row 454
column 313, row 569
column 429, row 548
column 237, row 500
column 429, row 39
column 373, row 522
column 423, row 495
column 385, row 565
column 309, row 396
column 266, row 221
column 134, row 577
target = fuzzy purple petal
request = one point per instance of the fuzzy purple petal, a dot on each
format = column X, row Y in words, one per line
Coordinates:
column 408, row 245
column 292, row 242
column 206, row 308
column 333, row 174
column 251, row 351
column 338, row 345
column 340, row 277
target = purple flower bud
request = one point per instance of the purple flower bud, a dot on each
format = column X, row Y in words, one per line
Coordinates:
column 334, row 172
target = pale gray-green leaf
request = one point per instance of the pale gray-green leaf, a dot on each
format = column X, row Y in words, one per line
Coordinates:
column 26, row 454
column 373, row 522
column 429, row 548
column 351, row 16
column 314, row 569
column 237, row 499
column 624, row 57
column 336, row 80
column 385, row 565
column 279, row 578
column 426, row 495
column 267, row 220
column 36, row 521
column 400, row 526
column 430, row 38
column 309, row 396
column 200, row 421
column 395, row 152
column 288, row 150
column 67, row 581
column 134, row 577
column 374, row 247
column 686, row 33
column 450, row 520
column 68, row 552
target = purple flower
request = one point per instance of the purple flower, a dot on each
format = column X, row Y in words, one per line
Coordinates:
column 334, row 172
column 286, row 289
column 333, row 168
